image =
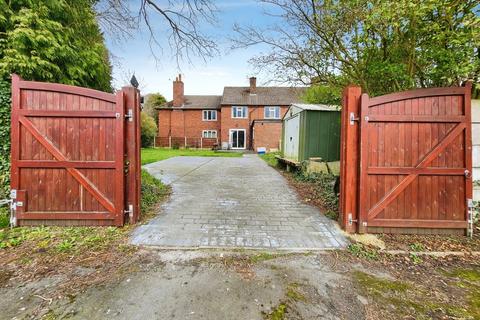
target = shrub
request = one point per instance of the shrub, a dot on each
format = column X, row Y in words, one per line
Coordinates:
column 4, row 138
column 153, row 191
column 148, row 130
column 325, row 190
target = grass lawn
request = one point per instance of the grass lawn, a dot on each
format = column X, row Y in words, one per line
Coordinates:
column 270, row 158
column 150, row 155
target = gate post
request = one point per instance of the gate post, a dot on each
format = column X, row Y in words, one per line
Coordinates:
column 132, row 153
column 349, row 158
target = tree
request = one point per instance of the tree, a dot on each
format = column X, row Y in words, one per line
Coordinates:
column 183, row 20
column 382, row 45
column 148, row 130
column 153, row 101
column 323, row 94
column 54, row 41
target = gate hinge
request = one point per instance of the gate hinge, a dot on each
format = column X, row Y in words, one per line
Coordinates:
column 129, row 211
column 351, row 220
column 129, row 115
column 353, row 118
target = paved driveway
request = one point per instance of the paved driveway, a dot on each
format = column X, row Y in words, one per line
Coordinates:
column 233, row 202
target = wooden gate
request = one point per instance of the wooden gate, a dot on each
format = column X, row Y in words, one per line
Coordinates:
column 415, row 161
column 70, row 161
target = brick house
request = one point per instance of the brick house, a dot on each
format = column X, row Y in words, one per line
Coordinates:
column 241, row 118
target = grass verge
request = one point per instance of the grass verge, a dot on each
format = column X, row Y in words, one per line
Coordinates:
column 28, row 253
column 270, row 159
column 150, row 155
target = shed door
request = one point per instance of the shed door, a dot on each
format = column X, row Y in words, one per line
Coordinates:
column 292, row 133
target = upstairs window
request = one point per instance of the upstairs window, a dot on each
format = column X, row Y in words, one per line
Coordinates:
column 239, row 112
column 209, row 115
column 272, row 112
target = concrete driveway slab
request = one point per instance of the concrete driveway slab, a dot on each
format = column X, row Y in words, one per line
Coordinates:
column 233, row 202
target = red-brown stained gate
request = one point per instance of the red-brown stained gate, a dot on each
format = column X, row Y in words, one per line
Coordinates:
column 68, row 155
column 415, row 161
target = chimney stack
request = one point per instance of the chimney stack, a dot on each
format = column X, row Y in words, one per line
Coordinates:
column 178, row 93
column 253, row 85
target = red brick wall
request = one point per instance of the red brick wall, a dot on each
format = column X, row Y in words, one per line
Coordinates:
column 189, row 123
column 267, row 134
column 164, row 123
column 254, row 112
column 185, row 123
column 230, row 123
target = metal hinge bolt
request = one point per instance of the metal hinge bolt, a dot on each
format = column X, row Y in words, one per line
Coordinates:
column 353, row 118
column 129, row 211
column 351, row 220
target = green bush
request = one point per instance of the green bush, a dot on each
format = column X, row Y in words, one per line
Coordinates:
column 148, row 130
column 153, row 191
column 4, row 138
column 325, row 190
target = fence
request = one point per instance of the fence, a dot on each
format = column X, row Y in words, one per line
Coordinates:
column 75, row 155
column 406, row 161
column 186, row 142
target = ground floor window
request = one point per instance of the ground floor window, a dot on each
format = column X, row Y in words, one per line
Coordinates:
column 238, row 138
column 209, row 133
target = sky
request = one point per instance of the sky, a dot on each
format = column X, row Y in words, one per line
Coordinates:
column 230, row 68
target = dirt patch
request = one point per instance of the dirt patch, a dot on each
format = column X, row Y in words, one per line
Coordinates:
column 397, row 285
column 433, row 242
column 5, row 275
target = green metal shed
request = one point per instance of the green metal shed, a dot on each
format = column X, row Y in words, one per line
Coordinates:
column 311, row 130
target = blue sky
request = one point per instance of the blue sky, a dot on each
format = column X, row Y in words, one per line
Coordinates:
column 230, row 68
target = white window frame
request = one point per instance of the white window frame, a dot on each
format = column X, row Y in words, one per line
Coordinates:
column 235, row 112
column 268, row 111
column 211, row 112
column 207, row 132
column 244, row 138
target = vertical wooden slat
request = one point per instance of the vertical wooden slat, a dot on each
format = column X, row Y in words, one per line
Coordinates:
column 132, row 151
column 349, row 155
column 15, row 133
column 467, row 108
column 363, row 190
column 119, row 158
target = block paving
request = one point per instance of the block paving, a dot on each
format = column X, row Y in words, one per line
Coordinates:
column 233, row 202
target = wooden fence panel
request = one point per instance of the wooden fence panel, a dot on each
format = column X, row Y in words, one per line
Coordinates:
column 68, row 148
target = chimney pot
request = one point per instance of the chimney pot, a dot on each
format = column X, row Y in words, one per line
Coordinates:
column 253, row 85
column 178, row 92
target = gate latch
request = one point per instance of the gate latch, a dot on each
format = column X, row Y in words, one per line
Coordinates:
column 468, row 174
column 129, row 115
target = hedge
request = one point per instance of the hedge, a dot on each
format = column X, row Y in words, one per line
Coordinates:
column 4, row 138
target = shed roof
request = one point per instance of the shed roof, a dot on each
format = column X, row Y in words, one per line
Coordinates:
column 316, row 107
column 263, row 96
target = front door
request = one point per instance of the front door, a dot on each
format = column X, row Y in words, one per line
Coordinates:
column 237, row 138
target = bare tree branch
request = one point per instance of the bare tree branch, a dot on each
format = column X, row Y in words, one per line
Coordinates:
column 183, row 18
